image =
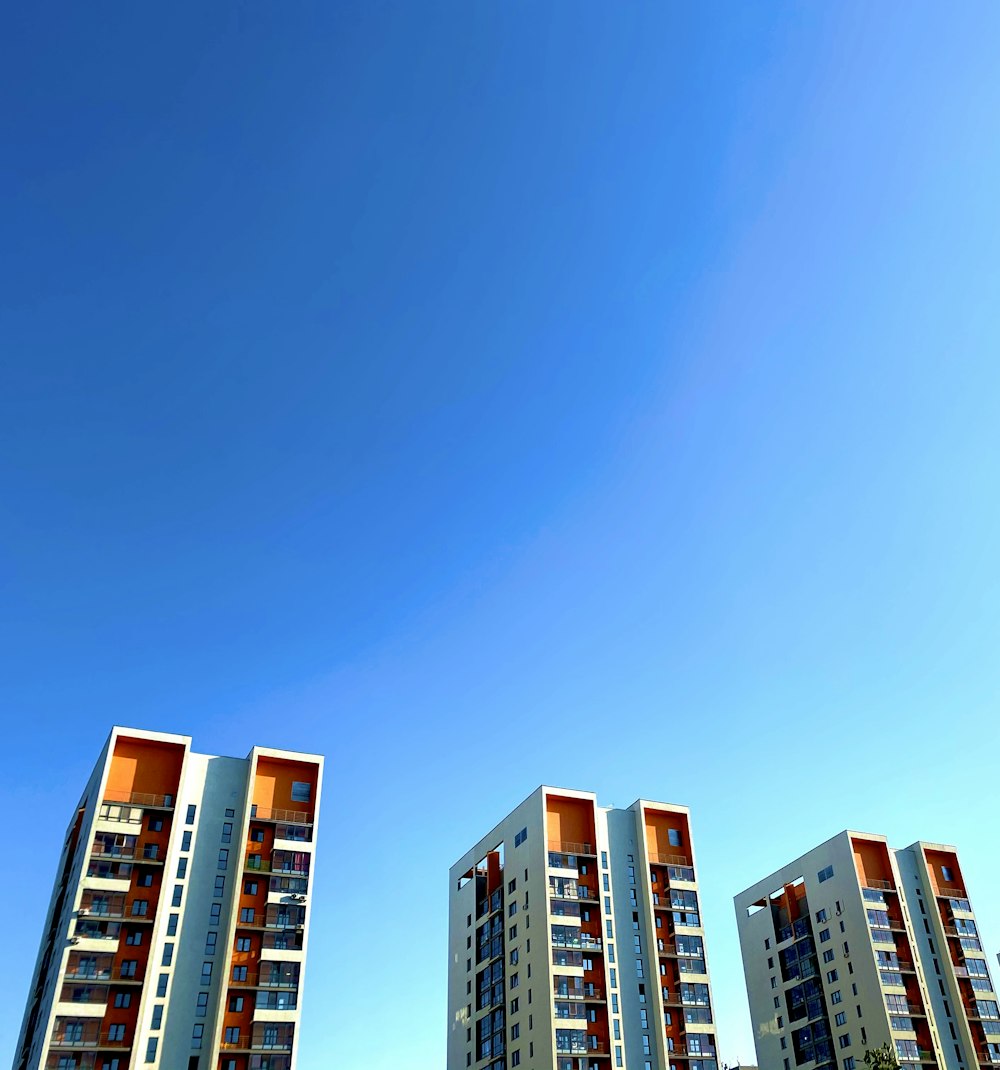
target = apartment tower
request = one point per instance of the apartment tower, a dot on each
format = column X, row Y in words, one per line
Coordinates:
column 176, row 934
column 576, row 943
column 856, row 945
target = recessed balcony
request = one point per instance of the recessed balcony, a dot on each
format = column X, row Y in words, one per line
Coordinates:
column 141, row 798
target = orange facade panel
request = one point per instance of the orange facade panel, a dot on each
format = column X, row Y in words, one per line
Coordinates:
column 569, row 823
column 668, row 835
column 144, row 766
column 278, row 785
column 946, row 875
column 871, row 860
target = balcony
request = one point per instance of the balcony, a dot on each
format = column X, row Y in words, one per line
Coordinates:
column 669, row 860
column 950, row 893
column 287, row 817
column 881, row 886
column 591, row 993
column 569, row 847
column 77, row 1038
column 583, row 1049
column 140, row 798
column 255, row 981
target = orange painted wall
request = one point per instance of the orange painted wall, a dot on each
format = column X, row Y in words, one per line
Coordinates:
column 658, row 827
column 871, row 860
column 143, row 765
column 937, row 859
column 272, row 786
column 569, row 820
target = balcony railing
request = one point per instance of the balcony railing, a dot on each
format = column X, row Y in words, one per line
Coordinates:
column 255, row 981
column 75, row 1039
column 951, row 893
column 140, row 798
column 669, row 860
column 882, row 886
column 288, row 817
column 568, row 847
column 582, row 1049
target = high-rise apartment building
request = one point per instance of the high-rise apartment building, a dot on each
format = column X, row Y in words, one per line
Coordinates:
column 856, row 945
column 176, row 935
column 576, row 941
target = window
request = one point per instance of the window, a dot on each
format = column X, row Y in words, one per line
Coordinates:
column 134, row 937
column 845, row 1040
column 201, row 1007
column 236, row 1004
column 206, row 973
column 249, row 887
column 824, row 935
column 825, row 874
column 191, row 811
column 223, row 858
column 157, row 1019
column 520, row 837
column 186, row 841
column 175, row 900
column 123, row 999
column 849, row 1063
column 514, row 1004
column 674, row 837
column 841, row 1018
column 128, row 967
column 182, row 868
column 247, row 915
column 257, row 836
column 117, row 1031
column 511, row 910
column 832, row 977
column 215, row 914
column 239, row 973
column 172, row 924
column 230, row 813
column 220, row 887
column 947, row 874
column 140, row 908
column 232, row 1034
column 514, row 980
column 168, row 954
column 151, row 1045
column 227, row 832
column 828, row 955
column 161, row 985
column 145, row 880
column 243, row 943
column 196, row 1034
column 301, row 791
column 821, row 916
column 515, row 1057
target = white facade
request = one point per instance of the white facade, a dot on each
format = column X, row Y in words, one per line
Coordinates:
column 855, row 945
column 580, row 968
column 135, row 967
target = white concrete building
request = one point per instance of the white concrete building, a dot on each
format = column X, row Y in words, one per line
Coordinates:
column 856, row 945
column 575, row 941
column 177, row 931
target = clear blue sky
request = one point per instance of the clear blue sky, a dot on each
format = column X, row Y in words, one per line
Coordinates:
column 489, row 394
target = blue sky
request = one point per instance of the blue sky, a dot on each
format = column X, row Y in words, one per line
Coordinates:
column 487, row 395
